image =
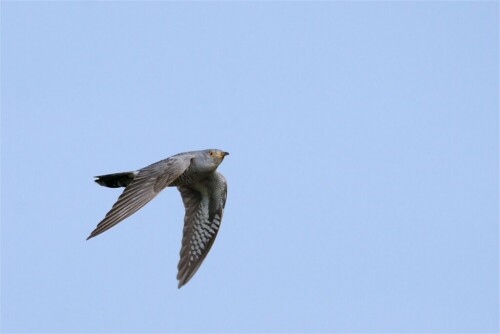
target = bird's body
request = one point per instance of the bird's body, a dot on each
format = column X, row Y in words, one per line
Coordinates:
column 203, row 192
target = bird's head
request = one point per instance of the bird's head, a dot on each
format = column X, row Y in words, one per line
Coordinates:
column 217, row 155
column 209, row 160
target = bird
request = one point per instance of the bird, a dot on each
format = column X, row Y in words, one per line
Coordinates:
column 203, row 190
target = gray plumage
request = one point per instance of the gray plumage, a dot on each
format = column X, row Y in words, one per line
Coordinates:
column 203, row 191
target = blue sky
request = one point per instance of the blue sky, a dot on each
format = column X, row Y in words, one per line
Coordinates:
column 363, row 175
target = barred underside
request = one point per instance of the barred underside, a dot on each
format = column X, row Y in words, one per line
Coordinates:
column 204, row 208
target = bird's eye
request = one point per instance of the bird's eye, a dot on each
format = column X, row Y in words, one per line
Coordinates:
column 211, row 153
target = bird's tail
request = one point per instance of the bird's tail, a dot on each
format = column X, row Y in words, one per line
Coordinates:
column 116, row 180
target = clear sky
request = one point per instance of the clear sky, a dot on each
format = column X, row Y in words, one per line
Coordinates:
column 363, row 175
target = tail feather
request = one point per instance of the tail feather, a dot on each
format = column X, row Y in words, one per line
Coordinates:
column 116, row 180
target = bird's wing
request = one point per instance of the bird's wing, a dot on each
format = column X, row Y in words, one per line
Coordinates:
column 204, row 204
column 148, row 182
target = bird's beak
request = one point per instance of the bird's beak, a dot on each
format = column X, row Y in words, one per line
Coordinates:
column 221, row 154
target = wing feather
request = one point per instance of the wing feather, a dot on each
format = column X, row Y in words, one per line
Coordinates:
column 144, row 187
column 204, row 203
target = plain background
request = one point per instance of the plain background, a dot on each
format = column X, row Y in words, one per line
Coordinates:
column 363, row 175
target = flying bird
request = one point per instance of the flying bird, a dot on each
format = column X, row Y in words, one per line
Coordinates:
column 203, row 191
